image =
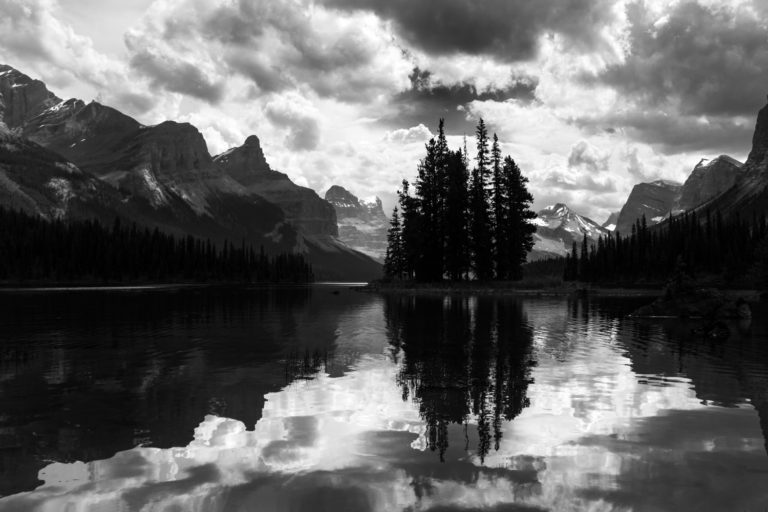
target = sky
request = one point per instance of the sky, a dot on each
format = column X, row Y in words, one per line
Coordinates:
column 589, row 97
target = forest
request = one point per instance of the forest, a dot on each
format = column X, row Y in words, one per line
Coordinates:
column 461, row 224
column 703, row 246
column 33, row 249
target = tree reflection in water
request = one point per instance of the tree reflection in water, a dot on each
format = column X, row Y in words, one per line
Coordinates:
column 464, row 360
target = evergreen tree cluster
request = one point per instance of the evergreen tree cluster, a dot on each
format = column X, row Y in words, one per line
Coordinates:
column 460, row 222
column 34, row 249
column 704, row 244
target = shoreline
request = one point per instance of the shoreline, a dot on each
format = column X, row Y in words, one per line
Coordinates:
column 509, row 289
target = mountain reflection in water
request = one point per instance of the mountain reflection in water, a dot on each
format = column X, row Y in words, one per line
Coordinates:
column 310, row 400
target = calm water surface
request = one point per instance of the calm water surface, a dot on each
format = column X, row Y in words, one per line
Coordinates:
column 327, row 399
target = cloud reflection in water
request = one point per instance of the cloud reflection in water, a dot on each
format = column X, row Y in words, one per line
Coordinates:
column 584, row 431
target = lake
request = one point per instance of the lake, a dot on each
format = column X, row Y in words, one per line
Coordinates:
column 326, row 399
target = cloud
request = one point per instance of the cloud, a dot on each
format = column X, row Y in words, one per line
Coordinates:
column 418, row 133
column 175, row 75
column 427, row 100
column 676, row 133
column 135, row 102
column 507, row 30
column 697, row 59
column 278, row 46
column 35, row 40
column 589, row 157
column 577, row 181
column 298, row 117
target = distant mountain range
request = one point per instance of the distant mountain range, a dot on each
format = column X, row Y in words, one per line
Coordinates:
column 68, row 159
column 557, row 227
column 723, row 184
column 362, row 224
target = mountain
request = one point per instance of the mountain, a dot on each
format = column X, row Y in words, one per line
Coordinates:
column 362, row 224
column 557, row 227
column 158, row 176
column 655, row 200
column 21, row 97
column 709, row 179
column 749, row 195
column 302, row 206
column 610, row 223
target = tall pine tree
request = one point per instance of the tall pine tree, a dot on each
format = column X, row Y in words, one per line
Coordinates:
column 517, row 230
column 480, row 219
column 394, row 259
column 457, row 255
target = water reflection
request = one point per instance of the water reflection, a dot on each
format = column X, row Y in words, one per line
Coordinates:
column 462, row 358
column 410, row 403
column 84, row 375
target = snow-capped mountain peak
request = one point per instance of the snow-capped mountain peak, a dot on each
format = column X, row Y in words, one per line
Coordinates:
column 558, row 226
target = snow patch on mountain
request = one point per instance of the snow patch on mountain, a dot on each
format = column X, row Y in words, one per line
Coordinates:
column 557, row 227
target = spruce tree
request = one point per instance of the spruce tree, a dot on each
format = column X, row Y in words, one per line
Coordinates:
column 481, row 229
column 393, row 260
column 457, row 257
column 518, row 230
column 500, row 230
column 411, row 232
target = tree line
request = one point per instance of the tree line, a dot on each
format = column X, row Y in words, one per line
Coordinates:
column 703, row 244
column 460, row 223
column 37, row 250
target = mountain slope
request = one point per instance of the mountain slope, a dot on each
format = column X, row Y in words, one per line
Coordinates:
column 653, row 200
column 709, row 179
column 557, row 227
column 302, row 206
column 749, row 195
column 362, row 224
column 160, row 176
column 611, row 221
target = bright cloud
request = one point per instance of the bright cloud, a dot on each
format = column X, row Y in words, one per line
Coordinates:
column 346, row 92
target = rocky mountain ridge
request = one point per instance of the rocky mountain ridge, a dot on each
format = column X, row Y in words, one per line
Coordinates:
column 749, row 195
column 160, row 176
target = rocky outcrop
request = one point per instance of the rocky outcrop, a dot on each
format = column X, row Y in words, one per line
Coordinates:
column 362, row 224
column 21, row 97
column 758, row 157
column 682, row 298
column 705, row 303
column 653, row 200
column 303, row 208
column 709, row 179
column 557, row 227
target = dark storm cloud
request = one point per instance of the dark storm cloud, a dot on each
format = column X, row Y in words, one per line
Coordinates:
column 177, row 76
column 703, row 60
column 508, row 30
column 671, row 133
column 427, row 101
